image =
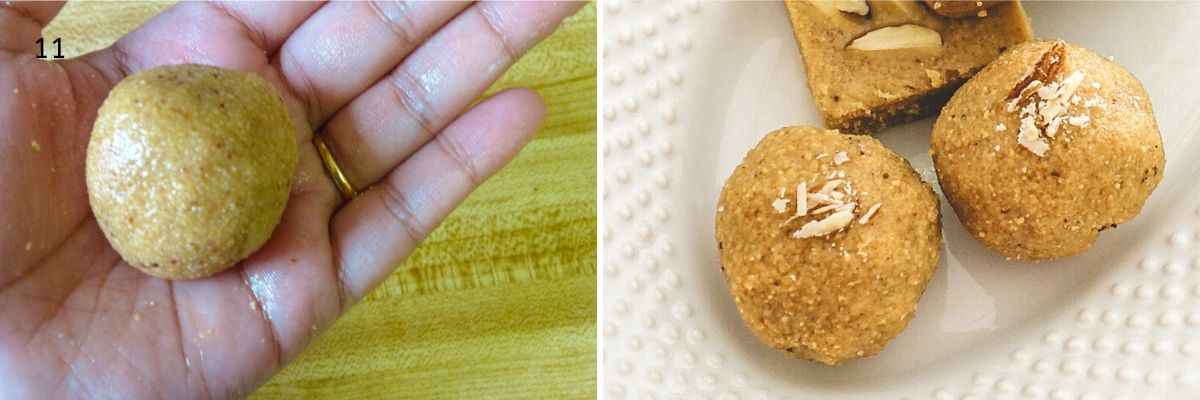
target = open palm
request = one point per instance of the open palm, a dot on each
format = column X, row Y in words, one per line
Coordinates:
column 387, row 85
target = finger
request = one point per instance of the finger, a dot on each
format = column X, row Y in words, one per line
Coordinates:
column 267, row 23
column 229, row 35
column 375, row 232
column 398, row 115
column 21, row 24
column 345, row 47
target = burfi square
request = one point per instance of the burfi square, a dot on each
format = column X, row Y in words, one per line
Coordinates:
column 874, row 64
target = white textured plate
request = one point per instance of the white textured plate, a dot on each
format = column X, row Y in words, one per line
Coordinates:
column 690, row 87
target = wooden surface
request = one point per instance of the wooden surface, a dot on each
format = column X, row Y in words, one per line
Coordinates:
column 500, row 302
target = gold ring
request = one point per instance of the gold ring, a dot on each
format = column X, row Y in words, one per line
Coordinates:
column 334, row 170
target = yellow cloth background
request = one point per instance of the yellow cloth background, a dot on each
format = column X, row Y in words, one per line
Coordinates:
column 500, row 302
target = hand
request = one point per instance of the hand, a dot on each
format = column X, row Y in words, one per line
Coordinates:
column 387, row 86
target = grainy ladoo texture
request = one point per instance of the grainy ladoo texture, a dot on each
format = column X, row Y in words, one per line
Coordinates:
column 1046, row 147
column 808, row 278
column 886, row 62
column 189, row 168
